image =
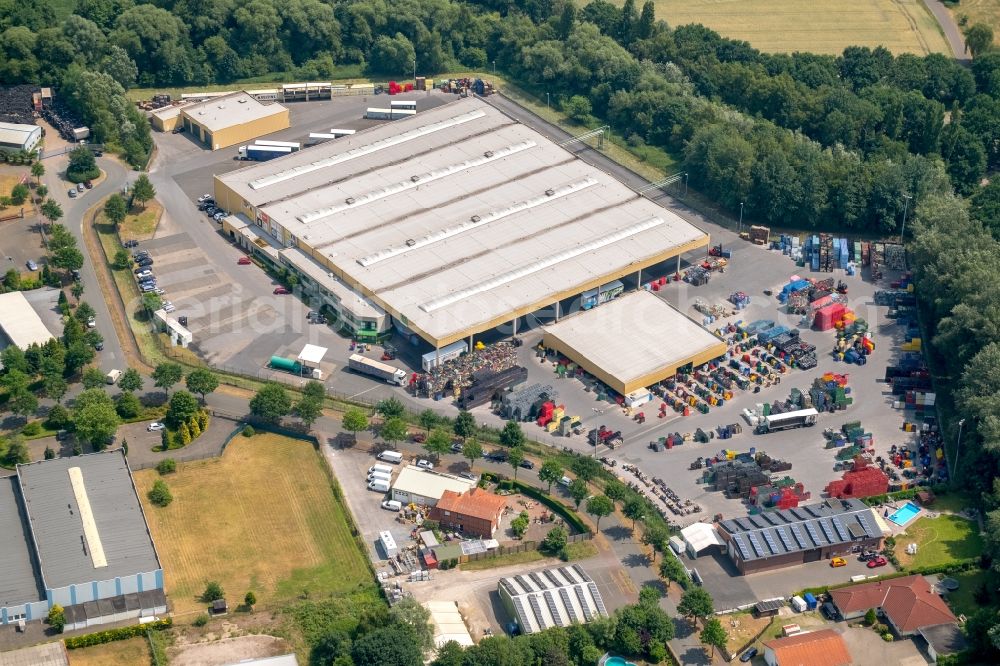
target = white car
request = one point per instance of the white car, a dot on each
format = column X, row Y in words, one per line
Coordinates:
column 169, row 307
column 143, row 274
column 426, row 464
column 159, row 291
column 153, row 427
column 91, row 323
column 203, row 197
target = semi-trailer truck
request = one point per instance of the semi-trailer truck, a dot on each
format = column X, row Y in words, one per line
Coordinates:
column 367, row 366
column 797, row 419
column 294, row 145
column 378, row 114
column 261, row 153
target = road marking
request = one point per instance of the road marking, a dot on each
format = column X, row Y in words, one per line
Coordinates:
column 365, row 391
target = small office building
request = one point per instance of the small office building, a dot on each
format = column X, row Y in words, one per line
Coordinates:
column 416, row 485
column 231, row 119
column 475, row 513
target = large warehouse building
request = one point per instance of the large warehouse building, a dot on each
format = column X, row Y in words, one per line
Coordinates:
column 17, row 136
column 223, row 121
column 19, row 323
column 633, row 341
column 453, row 222
column 75, row 535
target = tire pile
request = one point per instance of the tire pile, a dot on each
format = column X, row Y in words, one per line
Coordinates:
column 15, row 104
column 62, row 118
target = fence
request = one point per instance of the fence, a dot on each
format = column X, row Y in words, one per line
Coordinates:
column 56, row 152
column 522, row 547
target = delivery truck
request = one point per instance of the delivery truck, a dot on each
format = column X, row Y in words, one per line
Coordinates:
column 373, row 368
column 380, row 468
column 261, row 153
column 801, row 418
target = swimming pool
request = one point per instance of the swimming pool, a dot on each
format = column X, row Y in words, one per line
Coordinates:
column 617, row 661
column 905, row 514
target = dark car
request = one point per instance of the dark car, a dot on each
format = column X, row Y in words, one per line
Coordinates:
column 76, row 275
column 99, row 346
column 131, row 243
column 748, row 655
column 145, row 261
column 527, row 464
column 497, row 456
column 88, row 184
column 182, row 320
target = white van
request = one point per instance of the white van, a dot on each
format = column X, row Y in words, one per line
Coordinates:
column 565, row 481
column 113, row 375
column 380, row 468
column 394, row 457
column 385, row 476
column 379, row 485
column 392, row 505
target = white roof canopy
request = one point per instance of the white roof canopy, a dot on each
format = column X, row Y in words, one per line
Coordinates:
column 700, row 536
column 312, row 354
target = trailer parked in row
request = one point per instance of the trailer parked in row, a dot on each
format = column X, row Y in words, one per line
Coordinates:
column 294, row 145
column 261, row 153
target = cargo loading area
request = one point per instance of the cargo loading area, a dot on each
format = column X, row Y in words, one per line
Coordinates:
column 633, row 342
column 454, row 221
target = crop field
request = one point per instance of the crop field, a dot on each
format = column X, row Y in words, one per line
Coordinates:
column 263, row 517
column 979, row 11
column 819, row 26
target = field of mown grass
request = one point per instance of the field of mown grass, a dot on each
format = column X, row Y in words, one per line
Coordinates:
column 978, row 11
column 263, row 517
column 940, row 540
column 819, row 26
column 133, row 652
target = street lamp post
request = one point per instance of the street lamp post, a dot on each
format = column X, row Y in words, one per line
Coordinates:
column 739, row 227
column 494, row 69
column 685, row 183
column 414, row 69
column 958, row 446
column 546, row 100
column 906, row 203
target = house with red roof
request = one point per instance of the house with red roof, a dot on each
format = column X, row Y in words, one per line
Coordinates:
column 813, row 648
column 908, row 604
column 476, row 512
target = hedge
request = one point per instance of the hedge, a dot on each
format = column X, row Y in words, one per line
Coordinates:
column 120, row 634
column 957, row 566
column 557, row 507
column 875, row 500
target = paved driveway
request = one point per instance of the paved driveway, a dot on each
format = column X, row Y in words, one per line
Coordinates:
column 867, row 647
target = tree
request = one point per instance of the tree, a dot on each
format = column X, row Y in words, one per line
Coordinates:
column 213, row 592
column 151, row 302
column 428, row 419
column 520, row 524
column 12, row 357
column 650, row 595
column 696, row 603
column 354, row 421
column 97, row 422
column 472, row 451
column 165, row 375
column 17, row 452
column 23, row 402
column 634, row 509
column 714, row 635
column 51, row 210
column 160, row 494
column 84, row 312
column 250, row 600
column 389, row 645
column 616, row 490
column 143, row 190
column 203, row 381
column 78, row 354
column 82, row 165
column 42, row 191
column 465, row 424
column 166, row 466
column 438, row 442
column 122, row 260
column 309, row 409
column 76, row 290
column 181, row 408
column 127, row 405
column 599, row 507
column 871, row 617
column 978, row 39
column 55, row 387
column 37, row 171
column 585, row 467
column 514, row 458
column 655, row 535
column 56, row 618
column 49, row 453
column 555, row 540
column 314, row 389
column 19, row 194
column 550, row 472
column 578, row 108
column 130, row 380
column 511, row 435
column 393, row 430
column 57, row 418
column 390, row 408
column 115, row 209
column 578, row 491
column 414, row 615
column 271, row 402
column 93, row 378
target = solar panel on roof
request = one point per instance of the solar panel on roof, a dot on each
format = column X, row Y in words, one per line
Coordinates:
column 771, row 543
column 771, row 518
column 797, row 533
column 837, row 525
column 800, row 514
column 785, row 539
column 741, row 544
column 813, row 534
column 827, row 530
column 757, row 521
column 756, row 544
column 863, row 519
column 730, row 525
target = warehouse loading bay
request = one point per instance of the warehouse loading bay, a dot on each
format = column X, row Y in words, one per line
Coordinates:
column 238, row 324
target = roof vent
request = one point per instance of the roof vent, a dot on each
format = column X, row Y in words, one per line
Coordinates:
column 488, row 153
column 414, row 178
column 410, row 242
column 349, row 201
column 550, row 193
column 475, row 218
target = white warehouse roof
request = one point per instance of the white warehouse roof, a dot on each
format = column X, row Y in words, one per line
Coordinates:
column 228, row 110
column 459, row 218
column 553, row 598
column 448, row 623
column 425, row 483
column 18, row 134
column 701, row 535
column 19, row 321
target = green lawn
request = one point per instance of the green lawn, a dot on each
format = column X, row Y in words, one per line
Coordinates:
column 963, row 600
column 940, row 540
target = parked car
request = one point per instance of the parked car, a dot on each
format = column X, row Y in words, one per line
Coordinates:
column 88, row 184
column 838, row 562
column 426, row 464
column 748, row 655
column 72, row 193
column 281, row 290
column 147, row 288
column 877, row 562
column 469, row 475
column 498, row 455
column 204, row 197
column 527, row 464
column 159, row 291
column 32, row 266
column 131, row 243
column 419, row 437
column 392, row 505
column 178, row 130
column 140, row 254
column 80, row 187
column 145, row 261
column 169, row 307
column 91, row 323
column 456, row 447
column 99, row 345
column 143, row 273
column 219, row 216
column 183, row 321
column 244, row 261
column 155, row 426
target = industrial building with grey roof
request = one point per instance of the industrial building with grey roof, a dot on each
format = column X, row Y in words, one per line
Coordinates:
column 555, row 597
column 453, row 221
column 76, row 536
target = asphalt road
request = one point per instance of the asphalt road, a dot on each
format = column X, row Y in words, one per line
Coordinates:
column 951, row 31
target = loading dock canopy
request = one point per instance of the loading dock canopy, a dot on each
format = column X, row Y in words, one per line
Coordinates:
column 633, row 341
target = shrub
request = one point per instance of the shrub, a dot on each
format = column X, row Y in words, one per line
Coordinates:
column 887, row 637
column 213, row 592
column 31, row 429
column 119, row 634
column 159, row 494
column 250, row 599
column 201, row 620
column 248, row 431
column 57, row 618
column 167, row 466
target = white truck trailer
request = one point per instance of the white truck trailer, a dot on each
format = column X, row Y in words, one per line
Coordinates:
column 373, row 368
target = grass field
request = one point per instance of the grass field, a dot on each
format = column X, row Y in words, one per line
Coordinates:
column 133, row 652
column 140, row 223
column 263, row 517
column 979, row 11
column 940, row 540
column 963, row 600
column 819, row 26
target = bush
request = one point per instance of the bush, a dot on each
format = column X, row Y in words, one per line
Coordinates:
column 213, row 592
column 167, row 466
column 201, row 620
column 159, row 494
column 57, row 618
column 248, row 431
column 31, row 429
column 119, row 634
column 557, row 507
column 887, row 637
